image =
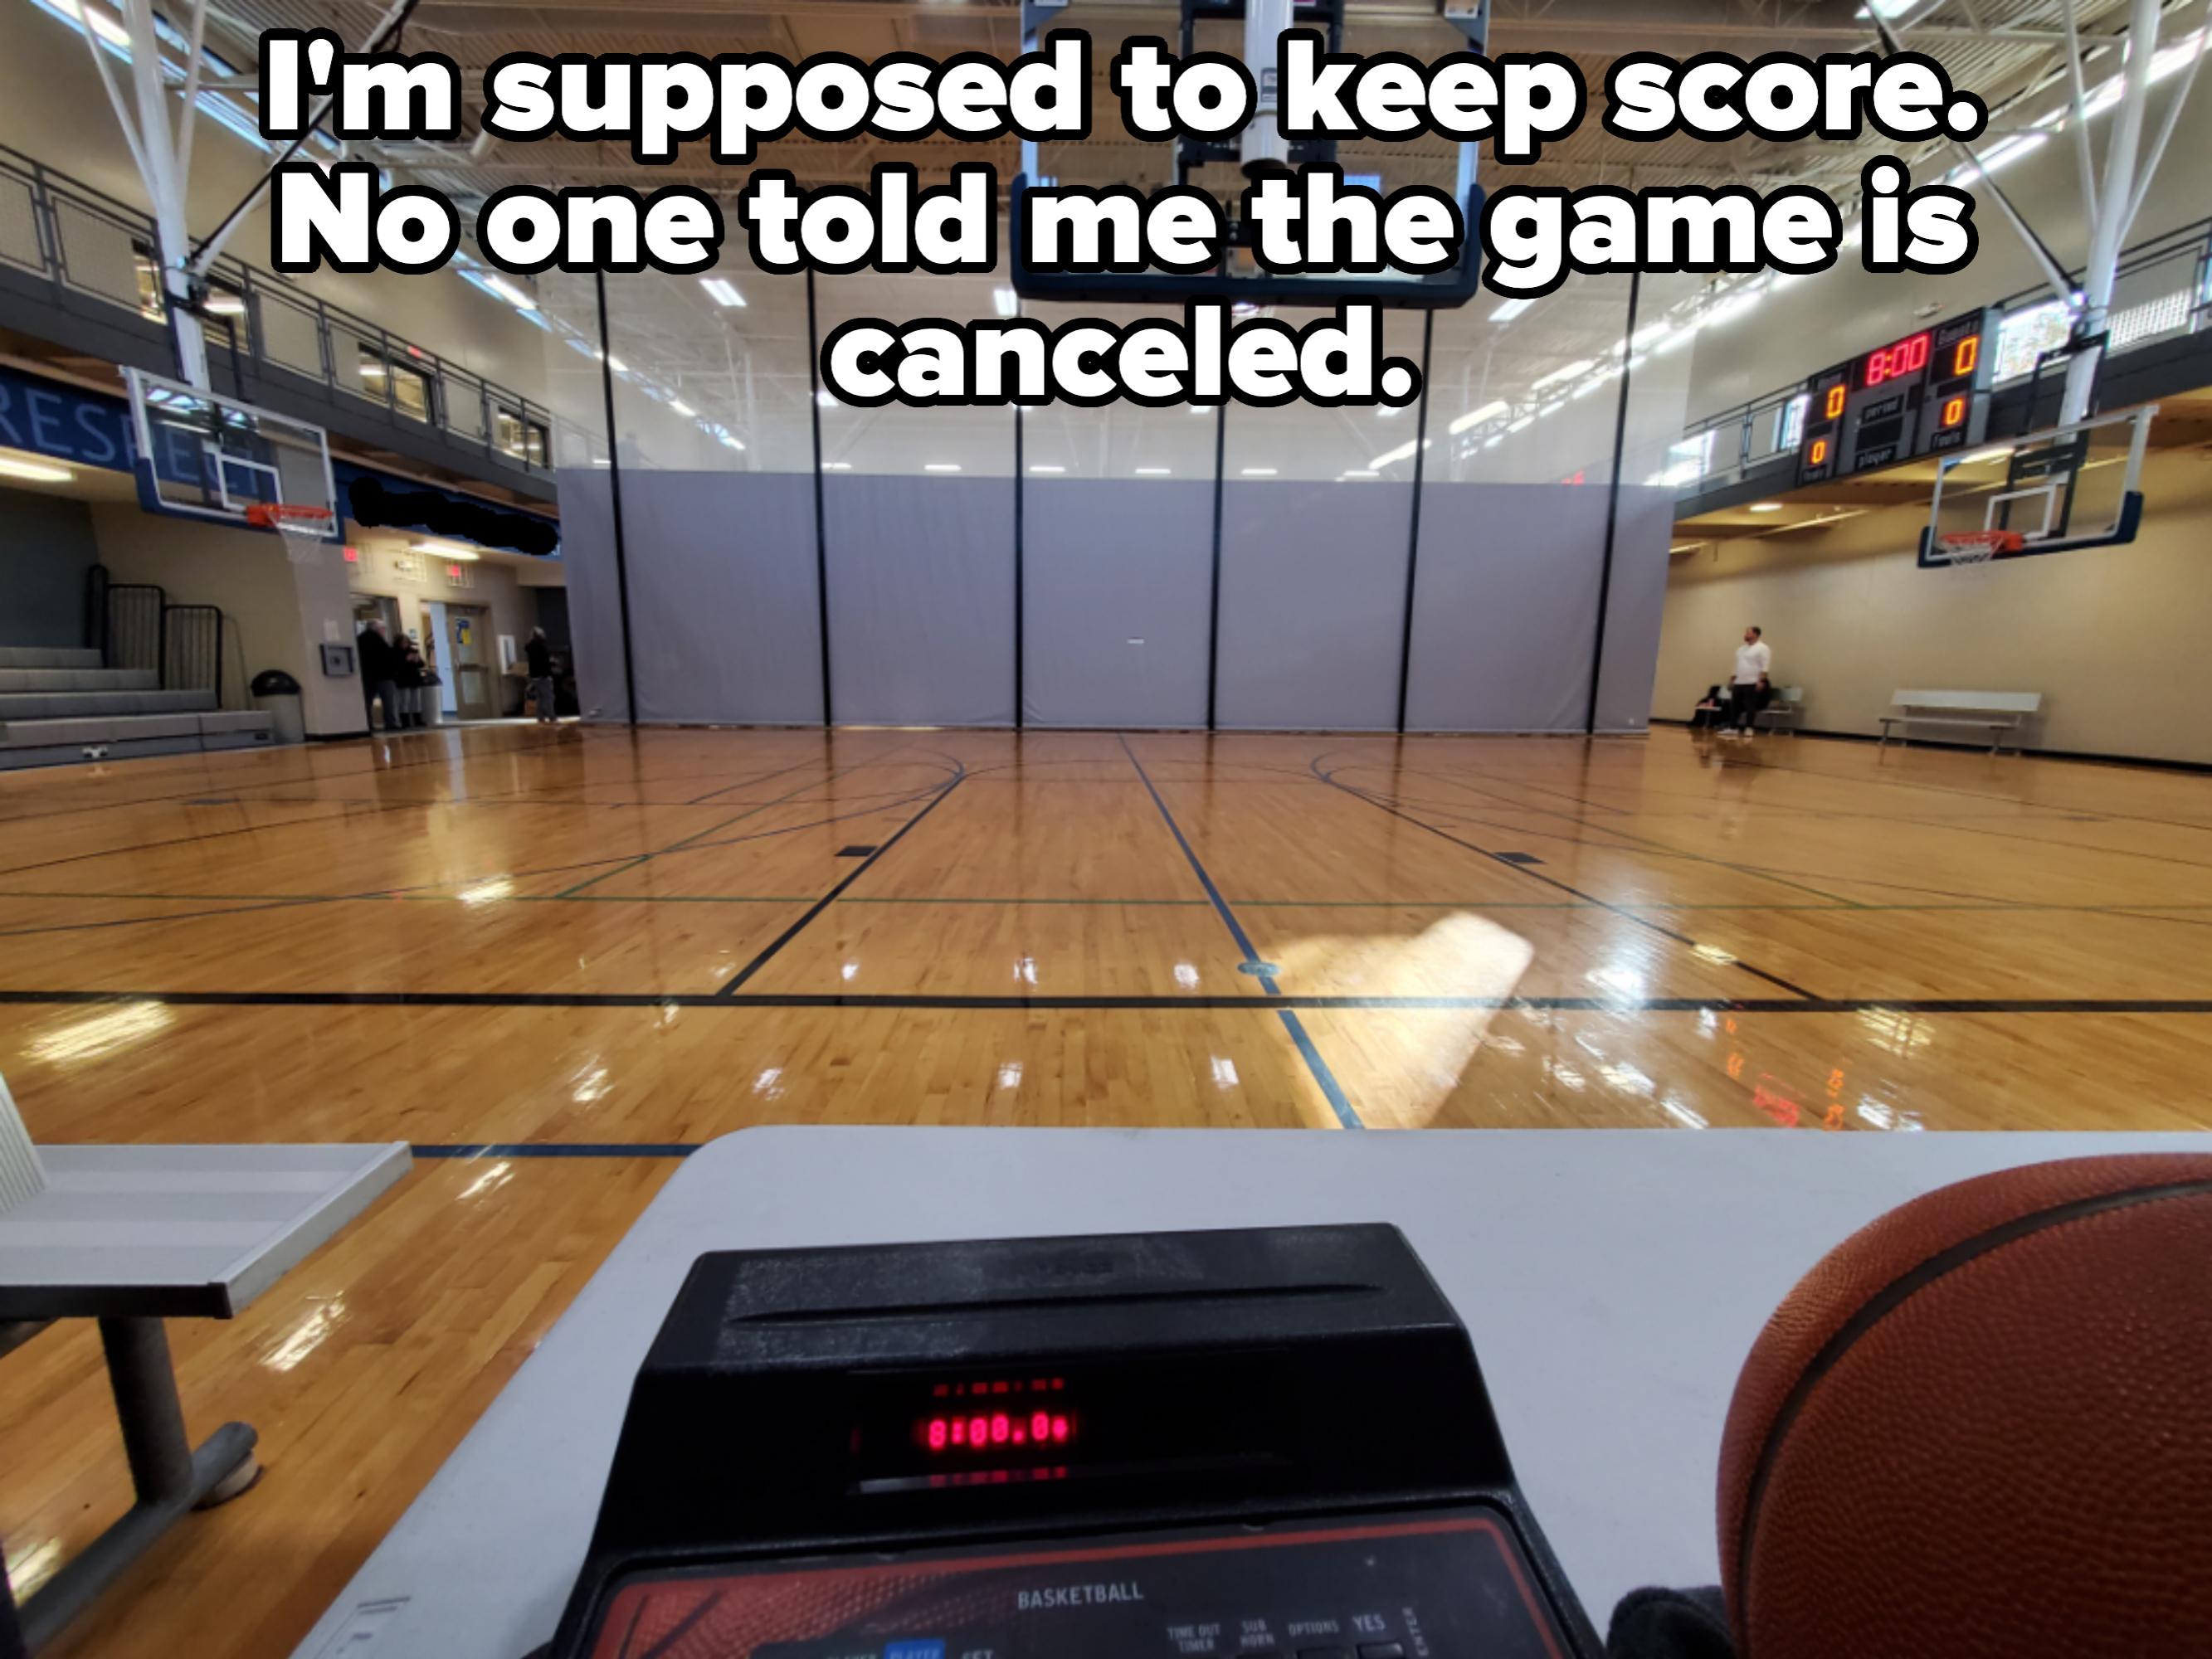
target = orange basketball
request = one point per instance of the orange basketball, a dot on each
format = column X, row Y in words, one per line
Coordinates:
column 1982, row 1426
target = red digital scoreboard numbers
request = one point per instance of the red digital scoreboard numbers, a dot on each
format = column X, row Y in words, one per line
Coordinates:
column 1019, row 1414
column 1923, row 395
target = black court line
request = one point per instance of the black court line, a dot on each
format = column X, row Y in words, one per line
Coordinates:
column 1549, row 881
column 1282, row 1002
column 833, row 894
column 1332, row 1090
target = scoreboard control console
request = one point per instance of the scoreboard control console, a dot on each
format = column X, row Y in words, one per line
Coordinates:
column 1928, row 394
column 1272, row 1443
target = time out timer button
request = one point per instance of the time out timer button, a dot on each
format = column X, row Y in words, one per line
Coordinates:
column 931, row 1648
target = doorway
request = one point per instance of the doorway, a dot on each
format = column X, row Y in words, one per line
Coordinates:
column 464, row 648
column 434, row 633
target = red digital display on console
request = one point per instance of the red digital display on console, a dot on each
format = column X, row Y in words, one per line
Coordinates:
column 1896, row 362
column 996, row 1415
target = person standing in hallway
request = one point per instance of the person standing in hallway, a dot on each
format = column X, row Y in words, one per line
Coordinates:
column 379, row 673
column 412, row 674
column 1747, row 690
column 542, row 689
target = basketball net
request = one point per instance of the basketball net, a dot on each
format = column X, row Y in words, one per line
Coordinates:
column 1979, row 546
column 303, row 528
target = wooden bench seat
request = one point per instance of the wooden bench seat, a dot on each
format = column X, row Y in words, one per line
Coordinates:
column 1996, row 712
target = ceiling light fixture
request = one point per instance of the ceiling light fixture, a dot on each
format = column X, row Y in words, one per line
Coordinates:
column 35, row 471
column 940, row 466
column 1509, row 310
column 1007, row 302
column 508, row 291
column 720, row 291
column 1767, row 507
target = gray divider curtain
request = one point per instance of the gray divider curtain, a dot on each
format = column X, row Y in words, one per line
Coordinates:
column 916, row 565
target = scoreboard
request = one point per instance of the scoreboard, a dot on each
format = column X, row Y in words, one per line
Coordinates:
column 1924, row 395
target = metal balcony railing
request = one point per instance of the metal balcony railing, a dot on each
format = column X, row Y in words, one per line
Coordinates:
column 2164, row 291
column 89, row 246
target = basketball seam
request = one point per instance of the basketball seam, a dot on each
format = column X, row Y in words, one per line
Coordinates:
column 1891, row 1298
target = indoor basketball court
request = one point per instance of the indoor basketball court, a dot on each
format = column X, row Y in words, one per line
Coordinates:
column 473, row 740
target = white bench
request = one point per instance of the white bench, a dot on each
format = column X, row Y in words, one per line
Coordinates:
column 133, row 1235
column 1994, row 712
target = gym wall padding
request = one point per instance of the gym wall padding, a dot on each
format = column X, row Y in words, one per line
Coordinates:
column 1505, row 607
column 725, row 612
column 1313, row 605
column 1641, row 536
column 1117, row 580
column 587, row 561
column 921, row 600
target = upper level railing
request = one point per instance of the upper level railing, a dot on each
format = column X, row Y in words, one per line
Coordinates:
column 2164, row 291
column 91, row 246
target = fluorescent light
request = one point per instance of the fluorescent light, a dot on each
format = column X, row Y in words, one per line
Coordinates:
column 732, row 442
column 1363, row 474
column 617, row 365
column 1259, row 472
column 1403, row 453
column 1572, row 371
column 1767, row 507
column 720, row 291
column 1509, row 310
column 222, row 302
column 682, row 408
column 823, row 398
column 940, row 466
column 444, row 551
column 1154, row 471
column 1047, row 469
column 1998, row 453
column 836, row 466
column 36, row 471
column 508, row 291
column 1007, row 302
column 1477, row 416
column 1525, row 422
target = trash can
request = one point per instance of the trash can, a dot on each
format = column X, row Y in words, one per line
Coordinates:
column 433, row 691
column 276, row 694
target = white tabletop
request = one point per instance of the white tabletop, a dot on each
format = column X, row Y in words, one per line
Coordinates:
column 179, row 1231
column 1613, row 1281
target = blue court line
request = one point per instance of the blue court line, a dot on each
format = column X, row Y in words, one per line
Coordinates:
column 1339, row 1101
column 558, row 1149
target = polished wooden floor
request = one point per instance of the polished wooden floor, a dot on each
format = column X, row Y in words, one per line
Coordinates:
column 553, row 960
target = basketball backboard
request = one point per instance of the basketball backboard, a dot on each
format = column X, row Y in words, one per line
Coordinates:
column 1113, row 155
column 198, row 454
column 2048, row 492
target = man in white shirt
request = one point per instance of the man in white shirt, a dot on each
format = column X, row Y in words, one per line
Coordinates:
column 1753, row 659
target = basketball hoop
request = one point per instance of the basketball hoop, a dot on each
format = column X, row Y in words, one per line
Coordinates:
column 1979, row 546
column 303, row 528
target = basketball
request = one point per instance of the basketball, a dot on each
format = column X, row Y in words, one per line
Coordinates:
column 1982, row 1426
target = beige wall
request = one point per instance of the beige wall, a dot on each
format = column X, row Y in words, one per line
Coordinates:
column 2112, row 637
column 275, row 612
column 52, row 109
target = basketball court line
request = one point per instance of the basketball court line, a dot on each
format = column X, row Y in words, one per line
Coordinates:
column 688, row 841
column 823, row 904
column 1194, row 1002
column 1323, row 1078
column 1549, row 881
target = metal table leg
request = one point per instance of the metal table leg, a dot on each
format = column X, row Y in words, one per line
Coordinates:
column 168, row 1476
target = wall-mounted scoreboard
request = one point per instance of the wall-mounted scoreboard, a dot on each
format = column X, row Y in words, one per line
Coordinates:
column 1923, row 395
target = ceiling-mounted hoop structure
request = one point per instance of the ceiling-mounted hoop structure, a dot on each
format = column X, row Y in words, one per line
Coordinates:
column 1438, row 291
